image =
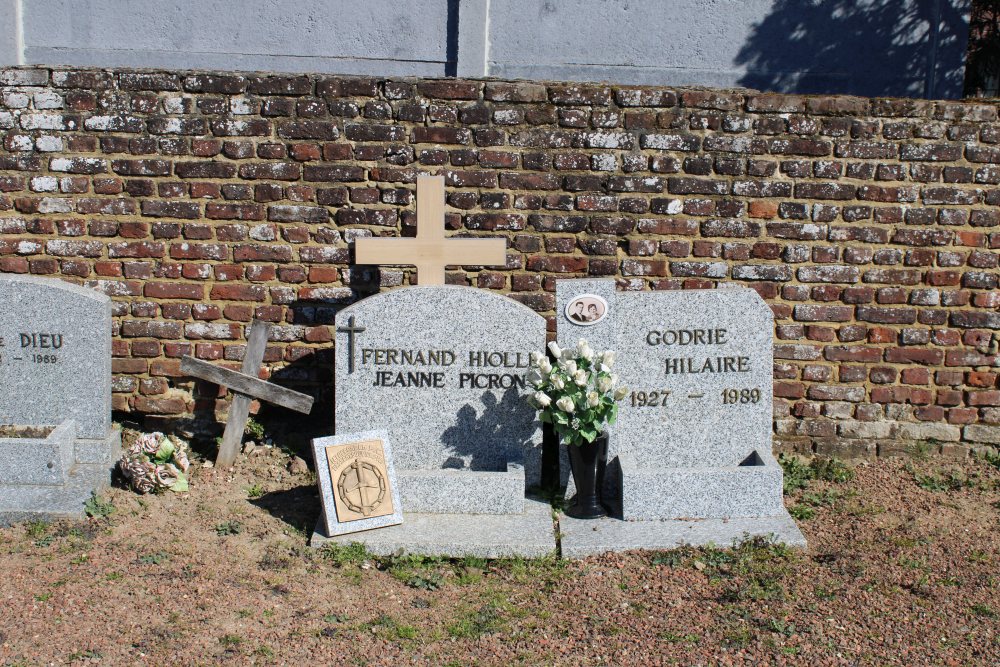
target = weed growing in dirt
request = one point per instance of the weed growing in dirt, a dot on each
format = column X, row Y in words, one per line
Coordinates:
column 802, row 512
column 97, row 507
column 756, row 566
column 921, row 450
column 84, row 655
column 798, row 474
column 230, row 641
column 993, row 458
column 228, row 528
column 340, row 555
column 485, row 620
column 984, row 610
column 674, row 557
column 36, row 529
column 158, row 558
column 254, row 429
column 255, row 491
column 420, row 572
column 276, row 557
column 831, row 470
column 948, row 480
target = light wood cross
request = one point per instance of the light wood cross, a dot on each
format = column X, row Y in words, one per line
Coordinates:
column 430, row 252
column 245, row 386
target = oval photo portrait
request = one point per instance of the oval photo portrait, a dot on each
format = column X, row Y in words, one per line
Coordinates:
column 586, row 309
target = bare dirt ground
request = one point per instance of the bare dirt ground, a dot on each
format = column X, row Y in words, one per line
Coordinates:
column 903, row 568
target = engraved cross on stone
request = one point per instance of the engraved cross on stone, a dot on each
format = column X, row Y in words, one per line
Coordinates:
column 245, row 386
column 350, row 330
column 430, row 251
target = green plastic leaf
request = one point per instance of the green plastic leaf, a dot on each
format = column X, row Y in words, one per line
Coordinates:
column 166, row 451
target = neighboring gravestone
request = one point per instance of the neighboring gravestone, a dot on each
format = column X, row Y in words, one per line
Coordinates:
column 693, row 436
column 443, row 371
column 57, row 443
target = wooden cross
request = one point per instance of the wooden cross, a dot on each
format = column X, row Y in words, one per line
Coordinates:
column 430, row 252
column 350, row 330
column 245, row 386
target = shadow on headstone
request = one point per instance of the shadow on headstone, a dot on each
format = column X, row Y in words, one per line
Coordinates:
column 478, row 442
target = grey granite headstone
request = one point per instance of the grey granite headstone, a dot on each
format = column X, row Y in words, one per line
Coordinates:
column 55, row 354
column 55, row 375
column 693, row 436
column 443, row 371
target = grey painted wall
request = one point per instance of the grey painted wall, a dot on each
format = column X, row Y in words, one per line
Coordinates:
column 867, row 47
column 8, row 33
column 345, row 36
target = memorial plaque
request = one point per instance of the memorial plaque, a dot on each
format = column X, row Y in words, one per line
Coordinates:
column 357, row 482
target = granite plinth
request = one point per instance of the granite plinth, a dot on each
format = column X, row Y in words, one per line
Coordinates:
column 582, row 538
column 463, row 491
column 332, row 525
column 55, row 355
column 442, row 371
column 530, row 534
column 740, row 491
column 46, row 502
column 38, row 461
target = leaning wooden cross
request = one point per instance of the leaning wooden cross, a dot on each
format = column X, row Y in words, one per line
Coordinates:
column 430, row 252
column 245, row 386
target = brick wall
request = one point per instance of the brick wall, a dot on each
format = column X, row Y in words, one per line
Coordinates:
column 201, row 200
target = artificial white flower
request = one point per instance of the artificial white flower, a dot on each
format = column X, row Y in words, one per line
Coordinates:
column 608, row 359
column 604, row 384
column 584, row 350
column 580, row 377
column 593, row 399
column 535, row 378
column 536, row 358
column 558, row 382
column 565, row 404
column 569, row 367
column 542, row 399
column 555, row 350
column 568, row 353
column 545, row 366
column 620, row 393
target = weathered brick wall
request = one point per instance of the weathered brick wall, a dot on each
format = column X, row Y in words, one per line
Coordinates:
column 200, row 200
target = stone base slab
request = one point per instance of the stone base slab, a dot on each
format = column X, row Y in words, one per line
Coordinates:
column 581, row 538
column 751, row 489
column 48, row 503
column 463, row 491
column 530, row 534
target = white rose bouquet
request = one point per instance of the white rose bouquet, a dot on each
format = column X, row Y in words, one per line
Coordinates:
column 578, row 394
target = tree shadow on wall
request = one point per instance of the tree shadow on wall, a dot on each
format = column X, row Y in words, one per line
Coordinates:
column 873, row 48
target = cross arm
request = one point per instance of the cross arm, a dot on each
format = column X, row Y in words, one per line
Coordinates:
column 245, row 384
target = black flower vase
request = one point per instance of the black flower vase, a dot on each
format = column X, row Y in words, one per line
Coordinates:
column 588, row 462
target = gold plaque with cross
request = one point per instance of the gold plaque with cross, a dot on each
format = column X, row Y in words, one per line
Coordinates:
column 430, row 251
column 360, row 480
